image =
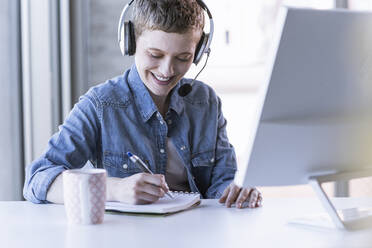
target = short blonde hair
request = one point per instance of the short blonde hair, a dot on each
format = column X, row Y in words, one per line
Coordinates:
column 172, row 16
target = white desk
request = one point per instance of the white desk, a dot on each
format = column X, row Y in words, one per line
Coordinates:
column 26, row 225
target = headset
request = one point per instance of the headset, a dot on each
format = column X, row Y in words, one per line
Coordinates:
column 127, row 41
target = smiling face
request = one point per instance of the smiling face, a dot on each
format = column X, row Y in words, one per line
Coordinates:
column 162, row 58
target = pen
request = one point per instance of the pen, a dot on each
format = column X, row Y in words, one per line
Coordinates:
column 136, row 160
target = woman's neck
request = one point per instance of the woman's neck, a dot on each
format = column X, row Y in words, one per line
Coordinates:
column 161, row 102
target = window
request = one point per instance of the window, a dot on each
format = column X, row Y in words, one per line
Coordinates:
column 242, row 38
column 360, row 4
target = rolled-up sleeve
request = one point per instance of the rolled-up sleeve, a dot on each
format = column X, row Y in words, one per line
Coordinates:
column 224, row 170
column 74, row 144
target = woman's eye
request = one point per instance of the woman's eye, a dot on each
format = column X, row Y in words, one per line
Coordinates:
column 156, row 56
column 184, row 59
column 159, row 56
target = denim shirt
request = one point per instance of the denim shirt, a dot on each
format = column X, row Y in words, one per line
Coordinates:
column 120, row 116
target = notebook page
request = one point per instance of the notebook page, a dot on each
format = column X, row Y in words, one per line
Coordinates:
column 181, row 201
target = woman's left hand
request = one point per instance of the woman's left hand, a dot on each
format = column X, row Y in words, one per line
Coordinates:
column 242, row 197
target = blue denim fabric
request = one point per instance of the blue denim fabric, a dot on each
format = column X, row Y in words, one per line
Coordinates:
column 120, row 116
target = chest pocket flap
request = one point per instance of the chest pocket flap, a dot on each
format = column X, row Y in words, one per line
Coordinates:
column 203, row 159
column 119, row 165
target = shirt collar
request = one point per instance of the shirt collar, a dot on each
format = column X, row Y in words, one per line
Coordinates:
column 176, row 101
column 143, row 99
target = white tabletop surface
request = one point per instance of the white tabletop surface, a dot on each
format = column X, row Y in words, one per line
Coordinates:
column 23, row 224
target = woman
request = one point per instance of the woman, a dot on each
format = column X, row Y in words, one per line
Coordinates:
column 182, row 139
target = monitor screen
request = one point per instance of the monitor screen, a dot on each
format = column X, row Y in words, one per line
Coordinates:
column 314, row 115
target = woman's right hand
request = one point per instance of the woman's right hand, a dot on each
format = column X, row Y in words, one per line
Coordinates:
column 140, row 188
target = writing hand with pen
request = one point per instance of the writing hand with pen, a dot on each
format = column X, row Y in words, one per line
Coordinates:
column 140, row 188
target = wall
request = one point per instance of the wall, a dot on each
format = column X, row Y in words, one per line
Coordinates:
column 11, row 172
column 105, row 60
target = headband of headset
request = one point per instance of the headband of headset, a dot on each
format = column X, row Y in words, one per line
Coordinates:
column 126, row 37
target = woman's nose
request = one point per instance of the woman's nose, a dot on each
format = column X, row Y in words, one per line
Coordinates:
column 167, row 68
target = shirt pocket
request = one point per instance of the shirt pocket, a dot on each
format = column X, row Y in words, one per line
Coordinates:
column 203, row 159
column 119, row 165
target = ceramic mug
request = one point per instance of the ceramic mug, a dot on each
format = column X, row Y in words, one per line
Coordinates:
column 84, row 192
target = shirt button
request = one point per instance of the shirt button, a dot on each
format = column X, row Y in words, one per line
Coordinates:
column 125, row 166
column 212, row 160
column 183, row 148
column 162, row 150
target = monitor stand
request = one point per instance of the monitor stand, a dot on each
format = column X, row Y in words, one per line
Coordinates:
column 350, row 218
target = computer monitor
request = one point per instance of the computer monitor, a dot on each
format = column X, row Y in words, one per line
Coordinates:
column 314, row 115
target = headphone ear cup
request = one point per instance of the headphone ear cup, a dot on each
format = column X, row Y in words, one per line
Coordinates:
column 200, row 48
column 129, row 39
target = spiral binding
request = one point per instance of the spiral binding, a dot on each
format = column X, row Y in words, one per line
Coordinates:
column 184, row 192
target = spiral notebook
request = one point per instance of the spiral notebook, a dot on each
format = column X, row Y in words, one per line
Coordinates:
column 165, row 205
